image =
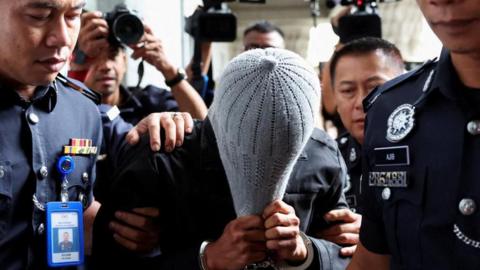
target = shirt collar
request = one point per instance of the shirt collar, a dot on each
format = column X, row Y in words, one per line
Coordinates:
column 446, row 78
column 44, row 97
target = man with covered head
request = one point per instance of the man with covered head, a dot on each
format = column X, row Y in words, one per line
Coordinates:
column 232, row 197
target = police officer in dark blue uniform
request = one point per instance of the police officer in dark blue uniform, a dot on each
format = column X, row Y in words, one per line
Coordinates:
column 356, row 68
column 421, row 150
column 41, row 116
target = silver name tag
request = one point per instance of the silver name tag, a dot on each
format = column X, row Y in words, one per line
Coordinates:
column 388, row 179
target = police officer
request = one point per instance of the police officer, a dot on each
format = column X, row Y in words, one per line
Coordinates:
column 356, row 68
column 41, row 115
column 421, row 149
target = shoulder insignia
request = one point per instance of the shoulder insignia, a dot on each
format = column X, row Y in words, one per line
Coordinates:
column 80, row 87
column 372, row 97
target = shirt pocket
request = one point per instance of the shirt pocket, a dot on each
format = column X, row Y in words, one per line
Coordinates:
column 402, row 209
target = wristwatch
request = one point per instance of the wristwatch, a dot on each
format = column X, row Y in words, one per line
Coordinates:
column 178, row 78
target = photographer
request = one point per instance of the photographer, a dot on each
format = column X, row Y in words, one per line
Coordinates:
column 104, row 64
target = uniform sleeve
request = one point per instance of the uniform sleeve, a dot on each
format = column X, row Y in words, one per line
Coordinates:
column 114, row 132
column 327, row 256
column 372, row 231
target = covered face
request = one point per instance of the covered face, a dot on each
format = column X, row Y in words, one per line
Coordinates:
column 263, row 114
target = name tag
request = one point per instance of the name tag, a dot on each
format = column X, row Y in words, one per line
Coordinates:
column 392, row 156
column 388, row 179
column 64, row 234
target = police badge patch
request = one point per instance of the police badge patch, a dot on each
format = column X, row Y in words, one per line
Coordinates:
column 400, row 123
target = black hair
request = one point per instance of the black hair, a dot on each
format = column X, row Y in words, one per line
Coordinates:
column 363, row 46
column 264, row 27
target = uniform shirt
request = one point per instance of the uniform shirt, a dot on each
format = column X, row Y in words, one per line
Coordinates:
column 352, row 154
column 427, row 224
column 32, row 138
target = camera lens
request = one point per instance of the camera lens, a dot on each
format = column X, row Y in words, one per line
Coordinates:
column 128, row 29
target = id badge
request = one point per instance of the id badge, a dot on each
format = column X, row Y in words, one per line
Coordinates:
column 64, row 233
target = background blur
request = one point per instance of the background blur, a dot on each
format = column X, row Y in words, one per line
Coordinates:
column 402, row 24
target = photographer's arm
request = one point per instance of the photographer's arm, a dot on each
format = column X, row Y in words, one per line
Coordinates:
column 151, row 50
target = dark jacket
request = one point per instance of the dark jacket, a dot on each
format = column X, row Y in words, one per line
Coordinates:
column 191, row 190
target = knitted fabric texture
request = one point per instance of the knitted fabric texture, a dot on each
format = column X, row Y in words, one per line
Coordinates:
column 263, row 114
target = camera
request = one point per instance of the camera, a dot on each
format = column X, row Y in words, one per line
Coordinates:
column 214, row 22
column 364, row 21
column 125, row 27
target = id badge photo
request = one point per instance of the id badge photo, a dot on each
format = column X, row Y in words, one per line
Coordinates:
column 64, row 233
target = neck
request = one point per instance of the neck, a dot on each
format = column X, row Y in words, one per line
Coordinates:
column 25, row 91
column 467, row 67
column 112, row 99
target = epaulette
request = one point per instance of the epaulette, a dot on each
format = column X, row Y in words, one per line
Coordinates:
column 372, row 97
column 342, row 140
column 80, row 87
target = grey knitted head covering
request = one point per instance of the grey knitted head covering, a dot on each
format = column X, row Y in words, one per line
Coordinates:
column 263, row 114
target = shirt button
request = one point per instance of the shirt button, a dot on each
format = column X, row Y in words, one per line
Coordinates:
column 43, row 172
column 386, row 193
column 473, row 127
column 33, row 118
column 467, row 206
column 2, row 172
column 41, row 229
column 85, row 177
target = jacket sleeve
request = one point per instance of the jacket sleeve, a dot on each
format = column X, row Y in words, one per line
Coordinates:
column 327, row 256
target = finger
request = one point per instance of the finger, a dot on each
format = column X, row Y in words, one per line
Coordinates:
column 147, row 29
column 170, row 131
column 138, row 53
column 279, row 219
column 188, row 122
column 129, row 233
column 153, row 126
column 343, row 239
column 131, row 245
column 341, row 228
column 147, row 211
column 133, row 135
column 248, row 223
column 134, row 220
column 348, row 251
column 180, row 123
column 341, row 215
column 281, row 233
column 277, row 206
column 90, row 15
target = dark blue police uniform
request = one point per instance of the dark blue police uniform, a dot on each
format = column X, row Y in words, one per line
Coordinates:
column 32, row 138
column 352, row 154
column 421, row 187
